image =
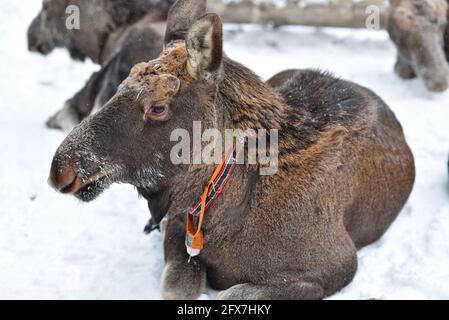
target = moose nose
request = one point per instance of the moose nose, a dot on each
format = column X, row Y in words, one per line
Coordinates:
column 37, row 41
column 64, row 178
column 33, row 36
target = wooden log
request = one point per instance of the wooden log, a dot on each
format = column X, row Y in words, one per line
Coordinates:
column 330, row 13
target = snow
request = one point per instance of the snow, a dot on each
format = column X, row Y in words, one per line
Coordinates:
column 52, row 246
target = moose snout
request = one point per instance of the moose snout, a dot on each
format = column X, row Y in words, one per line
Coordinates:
column 36, row 41
column 64, row 178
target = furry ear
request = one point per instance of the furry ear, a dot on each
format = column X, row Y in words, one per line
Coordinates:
column 204, row 43
column 181, row 16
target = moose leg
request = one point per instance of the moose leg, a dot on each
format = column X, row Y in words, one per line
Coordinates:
column 299, row 290
column 337, row 269
column 181, row 279
column 403, row 69
column 65, row 119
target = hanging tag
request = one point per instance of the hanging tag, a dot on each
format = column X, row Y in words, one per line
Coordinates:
column 191, row 251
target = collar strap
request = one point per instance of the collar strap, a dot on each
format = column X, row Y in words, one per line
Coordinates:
column 195, row 214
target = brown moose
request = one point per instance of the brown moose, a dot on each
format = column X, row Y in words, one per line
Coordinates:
column 417, row 27
column 116, row 34
column 345, row 170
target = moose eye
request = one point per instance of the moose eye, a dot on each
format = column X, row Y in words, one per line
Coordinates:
column 159, row 109
column 157, row 112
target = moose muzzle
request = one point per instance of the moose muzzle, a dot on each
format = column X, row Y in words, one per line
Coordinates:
column 64, row 178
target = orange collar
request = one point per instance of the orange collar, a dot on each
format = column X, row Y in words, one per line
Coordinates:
column 195, row 214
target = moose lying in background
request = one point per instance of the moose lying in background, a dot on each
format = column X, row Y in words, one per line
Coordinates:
column 116, row 34
column 418, row 29
column 345, row 170
column 140, row 42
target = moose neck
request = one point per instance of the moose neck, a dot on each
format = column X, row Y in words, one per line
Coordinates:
column 108, row 45
column 244, row 101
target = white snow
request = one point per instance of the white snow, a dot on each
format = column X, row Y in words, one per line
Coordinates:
column 52, row 246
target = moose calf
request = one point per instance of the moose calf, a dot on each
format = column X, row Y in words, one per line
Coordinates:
column 345, row 170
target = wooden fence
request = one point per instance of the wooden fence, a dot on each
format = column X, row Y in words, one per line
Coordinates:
column 331, row 13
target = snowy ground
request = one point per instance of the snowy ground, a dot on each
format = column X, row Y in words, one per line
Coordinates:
column 52, row 246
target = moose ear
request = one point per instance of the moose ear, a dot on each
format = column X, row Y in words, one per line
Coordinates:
column 204, row 43
column 181, row 16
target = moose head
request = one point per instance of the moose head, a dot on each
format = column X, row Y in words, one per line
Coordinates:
column 128, row 140
column 417, row 28
column 98, row 19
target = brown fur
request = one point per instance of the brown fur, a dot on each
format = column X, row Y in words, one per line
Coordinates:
column 417, row 28
column 345, row 170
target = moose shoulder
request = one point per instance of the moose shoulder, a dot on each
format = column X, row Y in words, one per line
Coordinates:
column 345, row 170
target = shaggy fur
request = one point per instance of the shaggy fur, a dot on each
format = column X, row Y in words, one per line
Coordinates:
column 345, row 170
column 417, row 27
